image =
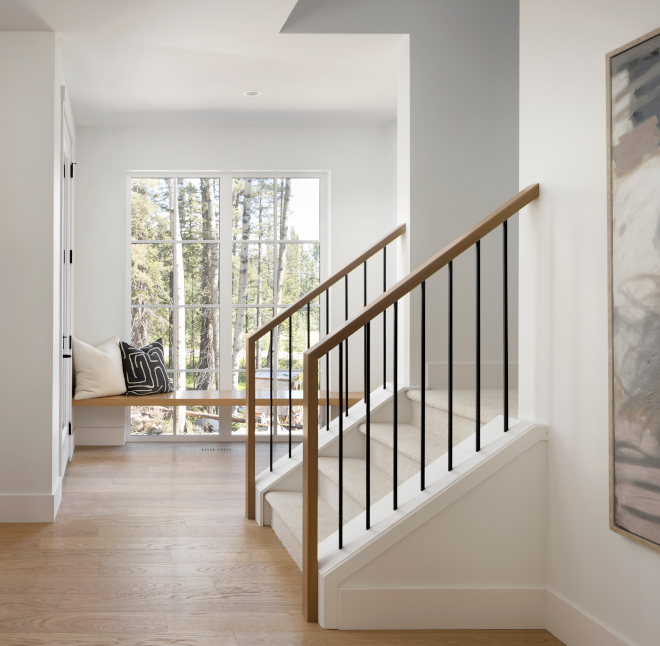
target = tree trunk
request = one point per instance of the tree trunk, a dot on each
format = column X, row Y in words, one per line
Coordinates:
column 259, row 278
column 242, row 282
column 180, row 314
column 208, row 341
column 281, row 260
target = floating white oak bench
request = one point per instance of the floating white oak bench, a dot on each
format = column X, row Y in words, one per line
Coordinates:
column 214, row 398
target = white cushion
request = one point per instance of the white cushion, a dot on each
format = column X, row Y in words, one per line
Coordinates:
column 99, row 371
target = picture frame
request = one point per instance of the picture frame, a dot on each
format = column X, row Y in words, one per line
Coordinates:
column 633, row 238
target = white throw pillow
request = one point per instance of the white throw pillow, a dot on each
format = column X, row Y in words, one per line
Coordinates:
column 99, row 371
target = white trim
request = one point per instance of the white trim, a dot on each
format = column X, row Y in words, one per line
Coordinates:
column 441, row 609
column 100, row 436
column 31, row 508
column 574, row 627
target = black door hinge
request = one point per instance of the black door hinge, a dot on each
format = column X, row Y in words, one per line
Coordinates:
column 65, row 170
column 69, row 342
column 70, row 255
column 69, row 428
column 72, row 165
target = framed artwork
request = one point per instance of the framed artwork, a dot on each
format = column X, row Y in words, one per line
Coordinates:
column 633, row 146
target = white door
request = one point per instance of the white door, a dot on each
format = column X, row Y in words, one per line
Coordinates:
column 66, row 361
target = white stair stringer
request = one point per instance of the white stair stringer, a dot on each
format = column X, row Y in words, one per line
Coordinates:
column 415, row 508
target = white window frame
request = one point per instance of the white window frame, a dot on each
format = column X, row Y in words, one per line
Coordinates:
column 225, row 240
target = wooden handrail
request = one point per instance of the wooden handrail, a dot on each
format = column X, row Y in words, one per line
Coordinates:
column 336, row 277
column 425, row 270
column 311, row 360
column 250, row 360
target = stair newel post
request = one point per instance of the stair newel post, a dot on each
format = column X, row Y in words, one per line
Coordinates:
column 251, row 422
column 310, row 584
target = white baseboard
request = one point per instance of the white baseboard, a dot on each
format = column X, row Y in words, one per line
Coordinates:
column 464, row 375
column 31, row 508
column 100, row 436
column 576, row 628
column 448, row 609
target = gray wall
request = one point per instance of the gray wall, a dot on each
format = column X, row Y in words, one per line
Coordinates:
column 463, row 146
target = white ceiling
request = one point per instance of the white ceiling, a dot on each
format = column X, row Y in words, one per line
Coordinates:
column 148, row 62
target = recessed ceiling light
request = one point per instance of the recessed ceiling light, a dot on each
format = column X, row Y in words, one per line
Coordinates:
column 252, row 93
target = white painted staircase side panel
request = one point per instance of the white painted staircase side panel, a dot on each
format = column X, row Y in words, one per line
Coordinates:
column 480, row 526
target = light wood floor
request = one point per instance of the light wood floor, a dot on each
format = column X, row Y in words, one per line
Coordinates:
column 150, row 547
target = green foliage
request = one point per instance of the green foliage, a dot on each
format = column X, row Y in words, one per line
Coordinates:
column 152, row 275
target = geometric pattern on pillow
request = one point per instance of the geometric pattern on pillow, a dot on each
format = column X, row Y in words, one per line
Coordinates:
column 144, row 369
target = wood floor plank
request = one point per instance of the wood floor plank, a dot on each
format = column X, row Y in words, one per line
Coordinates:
column 47, row 557
column 223, row 622
column 40, row 569
column 29, row 602
column 55, row 544
column 400, row 638
column 71, row 639
column 146, row 623
column 266, row 571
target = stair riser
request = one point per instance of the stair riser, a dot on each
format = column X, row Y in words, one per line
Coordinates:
column 290, row 542
column 382, row 457
column 437, row 423
column 329, row 491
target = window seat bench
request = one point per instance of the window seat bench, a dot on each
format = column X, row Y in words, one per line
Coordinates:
column 214, row 398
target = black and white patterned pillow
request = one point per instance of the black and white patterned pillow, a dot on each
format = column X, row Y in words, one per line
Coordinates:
column 144, row 369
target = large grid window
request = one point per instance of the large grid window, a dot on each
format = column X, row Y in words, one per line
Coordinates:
column 183, row 291
column 175, row 291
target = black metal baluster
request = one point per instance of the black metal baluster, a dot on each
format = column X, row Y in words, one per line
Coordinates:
column 346, row 319
column 384, row 320
column 506, row 326
column 271, row 399
column 290, row 380
column 395, row 404
column 309, row 328
column 327, row 361
column 341, row 451
column 423, row 410
column 365, row 335
column 478, row 357
column 450, row 423
column 367, row 372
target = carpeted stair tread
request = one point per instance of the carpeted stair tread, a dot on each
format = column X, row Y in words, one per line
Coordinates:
column 464, row 402
column 409, row 438
column 355, row 480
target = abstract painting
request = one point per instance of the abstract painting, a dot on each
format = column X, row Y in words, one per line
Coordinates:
column 633, row 74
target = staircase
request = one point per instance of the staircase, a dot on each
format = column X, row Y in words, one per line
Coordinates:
column 286, row 507
column 363, row 502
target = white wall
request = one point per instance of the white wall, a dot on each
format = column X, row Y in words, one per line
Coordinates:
column 563, row 292
column 30, row 170
column 362, row 165
column 462, row 161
